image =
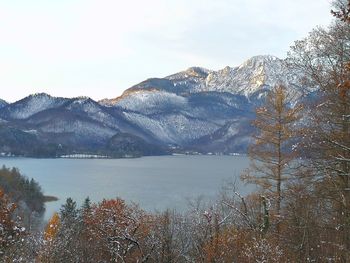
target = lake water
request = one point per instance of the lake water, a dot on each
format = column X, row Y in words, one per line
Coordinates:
column 156, row 183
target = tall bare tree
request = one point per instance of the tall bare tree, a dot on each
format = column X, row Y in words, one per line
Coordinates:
column 272, row 152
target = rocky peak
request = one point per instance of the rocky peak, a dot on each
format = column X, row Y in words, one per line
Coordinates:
column 259, row 61
column 197, row 72
column 250, row 76
column 253, row 75
column 192, row 72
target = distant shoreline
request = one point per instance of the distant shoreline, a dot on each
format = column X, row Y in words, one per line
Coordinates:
column 50, row 198
column 93, row 156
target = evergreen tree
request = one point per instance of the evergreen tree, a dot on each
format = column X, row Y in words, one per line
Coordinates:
column 69, row 211
column 86, row 207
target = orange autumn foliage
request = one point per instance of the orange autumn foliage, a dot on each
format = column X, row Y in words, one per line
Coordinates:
column 52, row 227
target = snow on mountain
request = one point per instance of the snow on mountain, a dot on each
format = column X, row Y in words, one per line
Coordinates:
column 198, row 105
column 94, row 131
column 254, row 75
column 91, row 108
column 196, row 109
column 253, row 78
column 234, row 136
column 175, row 119
column 248, row 77
column 3, row 103
column 189, row 81
column 173, row 128
column 108, row 117
column 193, row 72
column 30, row 105
column 149, row 102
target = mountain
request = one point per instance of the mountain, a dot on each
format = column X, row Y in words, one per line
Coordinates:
column 196, row 110
column 30, row 105
column 181, row 120
column 250, row 78
column 204, row 110
column 61, row 126
column 3, row 103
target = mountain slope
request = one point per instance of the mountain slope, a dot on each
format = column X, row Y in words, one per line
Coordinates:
column 2, row 103
column 30, row 105
column 197, row 110
column 67, row 126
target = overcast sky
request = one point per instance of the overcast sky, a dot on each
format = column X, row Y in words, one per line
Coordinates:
column 99, row 48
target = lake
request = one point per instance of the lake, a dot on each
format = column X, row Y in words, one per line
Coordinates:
column 156, row 183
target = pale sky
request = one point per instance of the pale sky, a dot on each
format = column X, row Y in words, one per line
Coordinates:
column 99, row 48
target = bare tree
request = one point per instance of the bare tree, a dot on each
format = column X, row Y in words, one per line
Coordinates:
column 272, row 152
column 324, row 57
column 342, row 10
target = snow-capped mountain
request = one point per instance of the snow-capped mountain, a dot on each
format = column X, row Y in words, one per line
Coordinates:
column 181, row 120
column 30, row 105
column 248, row 79
column 67, row 125
column 204, row 109
column 193, row 110
column 3, row 103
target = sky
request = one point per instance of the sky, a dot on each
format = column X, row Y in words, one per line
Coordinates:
column 99, row 48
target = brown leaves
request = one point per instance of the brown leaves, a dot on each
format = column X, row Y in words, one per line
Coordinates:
column 52, row 227
column 121, row 230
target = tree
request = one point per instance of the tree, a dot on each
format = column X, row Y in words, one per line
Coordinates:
column 11, row 232
column 27, row 194
column 50, row 238
column 122, row 233
column 52, row 227
column 86, row 207
column 342, row 10
column 84, row 233
column 272, row 152
column 61, row 235
column 324, row 58
column 69, row 210
column 67, row 238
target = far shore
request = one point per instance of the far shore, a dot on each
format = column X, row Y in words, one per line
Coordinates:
column 50, row 198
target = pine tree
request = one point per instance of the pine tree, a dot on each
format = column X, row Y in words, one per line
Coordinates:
column 69, row 210
column 86, row 207
column 62, row 248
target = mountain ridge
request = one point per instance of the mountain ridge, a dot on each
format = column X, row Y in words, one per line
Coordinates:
column 195, row 110
column 3, row 103
column 246, row 79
